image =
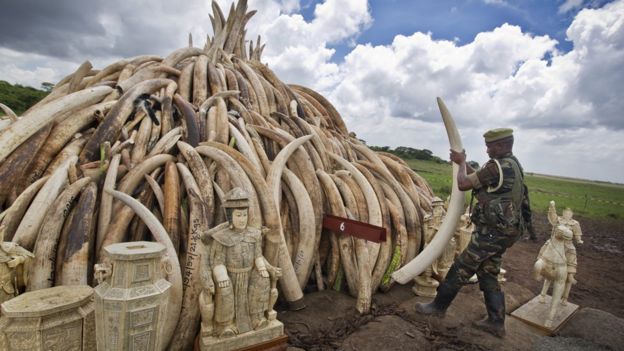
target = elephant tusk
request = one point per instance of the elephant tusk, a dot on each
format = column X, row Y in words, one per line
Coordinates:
column 455, row 209
column 19, row 131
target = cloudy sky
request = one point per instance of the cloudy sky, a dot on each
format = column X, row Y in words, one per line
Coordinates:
column 553, row 70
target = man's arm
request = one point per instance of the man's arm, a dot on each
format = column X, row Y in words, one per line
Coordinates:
column 463, row 183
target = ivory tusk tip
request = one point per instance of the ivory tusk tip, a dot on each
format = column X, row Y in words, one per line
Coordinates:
column 400, row 277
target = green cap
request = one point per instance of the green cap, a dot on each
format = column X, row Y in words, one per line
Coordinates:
column 497, row 134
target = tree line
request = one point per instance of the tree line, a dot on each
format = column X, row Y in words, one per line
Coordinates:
column 19, row 98
column 405, row 152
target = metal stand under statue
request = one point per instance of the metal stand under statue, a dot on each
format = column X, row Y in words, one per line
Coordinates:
column 59, row 318
column 131, row 300
column 239, row 285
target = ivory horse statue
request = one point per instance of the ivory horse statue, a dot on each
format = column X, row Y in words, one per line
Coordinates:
column 551, row 265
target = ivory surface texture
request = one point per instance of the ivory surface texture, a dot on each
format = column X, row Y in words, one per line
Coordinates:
column 58, row 318
column 132, row 297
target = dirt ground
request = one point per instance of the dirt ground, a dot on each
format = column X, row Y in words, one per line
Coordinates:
column 330, row 321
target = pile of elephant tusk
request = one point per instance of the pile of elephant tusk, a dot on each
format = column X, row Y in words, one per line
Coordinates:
column 145, row 148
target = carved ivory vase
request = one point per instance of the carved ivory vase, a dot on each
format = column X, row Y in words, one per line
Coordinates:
column 131, row 300
column 59, row 318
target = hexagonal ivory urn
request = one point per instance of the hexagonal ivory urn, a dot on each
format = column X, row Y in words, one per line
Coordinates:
column 131, row 303
column 58, row 318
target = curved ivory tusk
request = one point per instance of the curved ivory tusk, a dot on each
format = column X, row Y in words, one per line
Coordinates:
column 22, row 129
column 455, row 209
column 166, row 142
column 303, row 255
column 372, row 203
column 79, row 239
column 238, row 177
column 158, row 193
column 171, row 216
column 275, row 173
column 134, row 177
column 175, row 278
column 188, row 324
column 106, row 202
column 345, row 246
column 26, row 233
column 12, row 116
column 42, row 266
column 201, row 175
column 14, row 214
column 246, row 149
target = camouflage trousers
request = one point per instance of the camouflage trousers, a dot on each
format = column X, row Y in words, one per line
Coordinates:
column 483, row 256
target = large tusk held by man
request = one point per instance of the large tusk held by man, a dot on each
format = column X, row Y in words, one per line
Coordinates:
column 455, row 209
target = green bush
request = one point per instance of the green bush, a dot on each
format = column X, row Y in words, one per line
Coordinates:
column 19, row 98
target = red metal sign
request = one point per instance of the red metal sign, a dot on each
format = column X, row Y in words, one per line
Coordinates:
column 354, row 228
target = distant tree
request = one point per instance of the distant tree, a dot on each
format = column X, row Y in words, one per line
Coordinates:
column 381, row 148
column 473, row 164
column 47, row 86
column 407, row 152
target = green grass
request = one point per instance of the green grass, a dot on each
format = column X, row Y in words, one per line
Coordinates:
column 586, row 198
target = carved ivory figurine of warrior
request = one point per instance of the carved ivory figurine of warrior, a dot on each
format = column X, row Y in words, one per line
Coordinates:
column 13, row 269
column 424, row 284
column 551, row 265
column 239, row 285
column 570, row 250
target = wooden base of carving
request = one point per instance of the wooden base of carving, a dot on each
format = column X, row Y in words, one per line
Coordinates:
column 277, row 344
column 534, row 313
column 425, row 286
column 268, row 338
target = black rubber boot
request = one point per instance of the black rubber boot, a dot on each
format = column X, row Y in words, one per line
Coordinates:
column 437, row 307
column 494, row 323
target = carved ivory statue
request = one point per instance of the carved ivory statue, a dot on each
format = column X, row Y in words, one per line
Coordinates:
column 551, row 265
column 570, row 250
column 463, row 232
column 239, row 285
column 13, row 269
column 424, row 284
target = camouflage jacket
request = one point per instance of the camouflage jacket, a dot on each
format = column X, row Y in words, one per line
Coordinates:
column 502, row 196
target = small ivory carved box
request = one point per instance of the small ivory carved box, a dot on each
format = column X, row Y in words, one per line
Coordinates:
column 59, row 318
column 131, row 299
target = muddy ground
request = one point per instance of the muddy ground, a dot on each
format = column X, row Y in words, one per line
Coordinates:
column 330, row 321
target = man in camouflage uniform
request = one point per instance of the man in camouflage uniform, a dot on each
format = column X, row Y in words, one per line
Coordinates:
column 499, row 221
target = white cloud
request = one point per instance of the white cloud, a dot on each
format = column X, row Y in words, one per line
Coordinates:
column 298, row 50
column 496, row 2
column 569, row 5
column 30, row 69
column 405, row 74
column 54, row 38
column 571, row 102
